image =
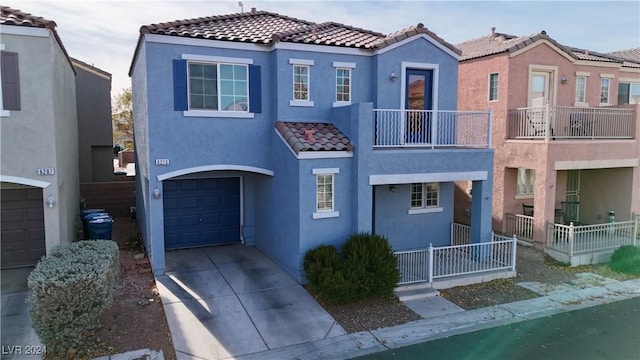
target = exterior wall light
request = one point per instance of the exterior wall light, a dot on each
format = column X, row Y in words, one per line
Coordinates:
column 51, row 202
column 156, row 193
column 392, row 188
column 393, row 76
column 564, row 79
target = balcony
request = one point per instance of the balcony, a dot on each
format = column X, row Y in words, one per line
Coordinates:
column 572, row 123
column 431, row 129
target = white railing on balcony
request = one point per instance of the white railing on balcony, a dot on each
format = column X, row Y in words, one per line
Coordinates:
column 438, row 262
column 427, row 128
column 570, row 239
column 521, row 226
column 460, row 234
column 563, row 122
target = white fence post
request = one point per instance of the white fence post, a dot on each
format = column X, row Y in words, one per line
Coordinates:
column 547, row 121
column 430, row 266
column 513, row 254
column 571, row 233
column 635, row 229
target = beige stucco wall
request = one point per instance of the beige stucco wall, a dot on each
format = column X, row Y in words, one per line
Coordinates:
column 43, row 133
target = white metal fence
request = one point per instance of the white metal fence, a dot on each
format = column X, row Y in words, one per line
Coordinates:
column 521, row 226
column 570, row 239
column 439, row 262
column 563, row 122
column 460, row 234
column 430, row 128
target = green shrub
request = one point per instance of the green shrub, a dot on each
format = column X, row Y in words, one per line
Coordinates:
column 370, row 263
column 365, row 268
column 69, row 289
column 626, row 259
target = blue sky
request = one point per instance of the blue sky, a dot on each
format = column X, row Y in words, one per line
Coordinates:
column 104, row 32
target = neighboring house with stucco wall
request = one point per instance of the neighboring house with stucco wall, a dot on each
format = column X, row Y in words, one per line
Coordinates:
column 95, row 133
column 39, row 144
column 565, row 134
column 284, row 134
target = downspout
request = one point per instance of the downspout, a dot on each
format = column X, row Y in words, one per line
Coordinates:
column 373, row 209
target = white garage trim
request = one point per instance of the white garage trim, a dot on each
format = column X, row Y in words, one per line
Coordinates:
column 24, row 181
column 196, row 169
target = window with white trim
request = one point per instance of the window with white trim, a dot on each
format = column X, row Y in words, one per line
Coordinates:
column 425, row 195
column 343, row 84
column 493, row 87
column 223, row 87
column 581, row 89
column 526, row 182
column 604, row 90
column 300, row 82
column 324, row 192
column 628, row 93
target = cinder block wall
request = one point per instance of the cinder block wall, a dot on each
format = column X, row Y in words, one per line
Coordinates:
column 115, row 197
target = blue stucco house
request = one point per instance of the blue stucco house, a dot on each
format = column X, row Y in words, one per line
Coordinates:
column 280, row 133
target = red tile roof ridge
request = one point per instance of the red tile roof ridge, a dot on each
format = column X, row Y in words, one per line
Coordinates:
column 412, row 31
column 10, row 16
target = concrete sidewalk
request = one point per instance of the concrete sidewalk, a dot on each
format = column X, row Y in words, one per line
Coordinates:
column 589, row 290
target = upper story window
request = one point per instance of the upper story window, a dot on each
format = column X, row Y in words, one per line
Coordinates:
column 300, row 82
column 343, row 82
column 223, row 87
column 493, row 87
column 343, row 85
column 604, row 90
column 581, row 89
column 216, row 86
column 10, row 79
column 526, row 182
column 628, row 93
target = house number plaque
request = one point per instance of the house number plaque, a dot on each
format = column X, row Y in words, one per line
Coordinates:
column 46, row 171
column 162, row 162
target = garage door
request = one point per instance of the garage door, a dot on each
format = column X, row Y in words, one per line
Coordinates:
column 201, row 212
column 22, row 227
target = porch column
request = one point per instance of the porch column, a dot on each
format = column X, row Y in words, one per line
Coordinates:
column 481, row 216
column 544, row 203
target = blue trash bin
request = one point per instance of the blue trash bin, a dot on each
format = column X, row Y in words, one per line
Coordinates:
column 100, row 226
column 83, row 214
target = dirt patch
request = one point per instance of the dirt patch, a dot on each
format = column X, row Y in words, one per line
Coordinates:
column 136, row 319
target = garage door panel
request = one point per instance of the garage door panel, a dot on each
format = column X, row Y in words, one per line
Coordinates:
column 204, row 213
column 22, row 227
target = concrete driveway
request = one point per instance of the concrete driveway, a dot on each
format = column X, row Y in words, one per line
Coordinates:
column 232, row 300
column 17, row 337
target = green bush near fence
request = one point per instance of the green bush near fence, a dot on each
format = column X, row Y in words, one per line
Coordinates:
column 626, row 259
column 69, row 289
column 364, row 268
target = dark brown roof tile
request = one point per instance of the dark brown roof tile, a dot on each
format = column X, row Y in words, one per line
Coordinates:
column 307, row 136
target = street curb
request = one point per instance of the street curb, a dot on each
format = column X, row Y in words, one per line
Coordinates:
column 368, row 342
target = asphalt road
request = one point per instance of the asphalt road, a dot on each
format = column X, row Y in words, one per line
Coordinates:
column 609, row 331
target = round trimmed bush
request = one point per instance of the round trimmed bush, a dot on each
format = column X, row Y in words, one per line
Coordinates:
column 626, row 259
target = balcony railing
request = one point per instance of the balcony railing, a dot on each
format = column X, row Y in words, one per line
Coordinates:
column 563, row 122
column 521, row 226
column 427, row 128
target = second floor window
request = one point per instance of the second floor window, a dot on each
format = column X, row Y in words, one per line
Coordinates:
column 218, row 87
column 343, row 84
column 581, row 89
column 628, row 93
column 604, row 90
column 493, row 87
column 300, row 82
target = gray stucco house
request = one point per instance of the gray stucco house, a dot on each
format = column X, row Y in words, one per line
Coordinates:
column 39, row 144
column 95, row 135
column 280, row 133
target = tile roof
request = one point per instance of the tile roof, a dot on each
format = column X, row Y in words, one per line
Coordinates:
column 14, row 17
column 589, row 55
column 262, row 27
column 631, row 57
column 496, row 43
column 307, row 136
